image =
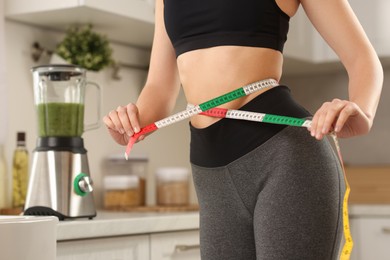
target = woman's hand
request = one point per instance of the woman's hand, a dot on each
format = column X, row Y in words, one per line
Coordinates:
column 342, row 116
column 365, row 73
column 122, row 123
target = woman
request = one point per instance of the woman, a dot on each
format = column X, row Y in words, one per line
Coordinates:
column 275, row 193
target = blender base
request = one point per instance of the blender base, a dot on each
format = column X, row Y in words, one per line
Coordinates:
column 45, row 211
column 60, row 185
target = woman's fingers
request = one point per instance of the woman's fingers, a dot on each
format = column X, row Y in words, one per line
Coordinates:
column 318, row 121
column 132, row 112
column 327, row 118
column 116, row 123
column 123, row 122
column 112, row 129
column 350, row 110
column 343, row 116
column 332, row 115
column 108, row 122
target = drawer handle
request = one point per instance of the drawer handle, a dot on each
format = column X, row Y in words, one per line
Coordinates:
column 184, row 248
column 386, row 230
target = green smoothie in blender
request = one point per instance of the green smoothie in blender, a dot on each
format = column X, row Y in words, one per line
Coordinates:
column 60, row 119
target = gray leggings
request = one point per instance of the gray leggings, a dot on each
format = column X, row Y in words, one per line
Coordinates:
column 281, row 201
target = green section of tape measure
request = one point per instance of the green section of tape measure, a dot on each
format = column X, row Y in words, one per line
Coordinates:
column 222, row 99
column 283, row 120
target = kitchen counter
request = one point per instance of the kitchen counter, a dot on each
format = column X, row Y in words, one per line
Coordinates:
column 369, row 210
column 109, row 224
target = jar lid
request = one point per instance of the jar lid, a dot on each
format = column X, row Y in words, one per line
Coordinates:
column 168, row 174
column 121, row 182
column 119, row 158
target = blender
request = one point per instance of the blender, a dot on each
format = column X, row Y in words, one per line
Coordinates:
column 60, row 183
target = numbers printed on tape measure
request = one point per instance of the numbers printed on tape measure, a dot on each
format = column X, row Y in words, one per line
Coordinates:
column 222, row 99
column 244, row 115
column 256, row 86
column 348, row 245
column 283, row 119
column 178, row 117
column 255, row 116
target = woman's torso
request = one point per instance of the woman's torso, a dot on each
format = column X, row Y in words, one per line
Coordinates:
column 209, row 72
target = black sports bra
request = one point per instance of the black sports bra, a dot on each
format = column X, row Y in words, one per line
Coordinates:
column 197, row 24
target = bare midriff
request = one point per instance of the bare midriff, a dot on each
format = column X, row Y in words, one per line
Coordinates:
column 211, row 72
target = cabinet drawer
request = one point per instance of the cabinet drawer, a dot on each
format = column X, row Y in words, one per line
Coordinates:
column 114, row 248
column 371, row 237
column 175, row 246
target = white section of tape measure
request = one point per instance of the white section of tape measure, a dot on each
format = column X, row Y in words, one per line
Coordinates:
column 194, row 110
column 245, row 115
column 254, row 116
column 307, row 123
column 256, row 86
column 249, row 116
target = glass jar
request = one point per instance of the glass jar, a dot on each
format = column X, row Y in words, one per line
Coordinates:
column 59, row 95
column 20, row 166
column 117, row 167
column 123, row 191
column 172, row 186
column 3, row 179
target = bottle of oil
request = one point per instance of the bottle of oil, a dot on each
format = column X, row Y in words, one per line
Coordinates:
column 3, row 179
column 20, row 171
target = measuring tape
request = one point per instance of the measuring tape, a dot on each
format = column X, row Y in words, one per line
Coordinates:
column 348, row 245
column 254, row 116
column 208, row 108
column 235, row 94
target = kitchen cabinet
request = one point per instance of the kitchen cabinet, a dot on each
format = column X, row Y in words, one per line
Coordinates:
column 132, row 22
column 126, row 21
column 118, row 248
column 305, row 43
column 179, row 245
column 371, row 238
column 130, row 235
column 175, row 246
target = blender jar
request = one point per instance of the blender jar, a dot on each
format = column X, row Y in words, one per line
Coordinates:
column 59, row 92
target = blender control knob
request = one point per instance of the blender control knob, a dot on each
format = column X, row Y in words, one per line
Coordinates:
column 82, row 184
column 85, row 184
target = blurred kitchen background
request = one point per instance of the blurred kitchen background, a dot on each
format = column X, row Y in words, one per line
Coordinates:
column 315, row 78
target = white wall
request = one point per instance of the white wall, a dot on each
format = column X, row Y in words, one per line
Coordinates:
column 166, row 147
column 312, row 90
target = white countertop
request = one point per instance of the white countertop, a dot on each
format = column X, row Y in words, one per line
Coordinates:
column 107, row 224
column 369, row 210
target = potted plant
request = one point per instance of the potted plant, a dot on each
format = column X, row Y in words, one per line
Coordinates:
column 83, row 47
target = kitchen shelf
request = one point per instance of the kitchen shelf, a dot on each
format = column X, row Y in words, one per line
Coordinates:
column 126, row 21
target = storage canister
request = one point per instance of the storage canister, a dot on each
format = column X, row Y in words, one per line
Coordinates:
column 116, row 164
column 172, row 186
column 123, row 191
